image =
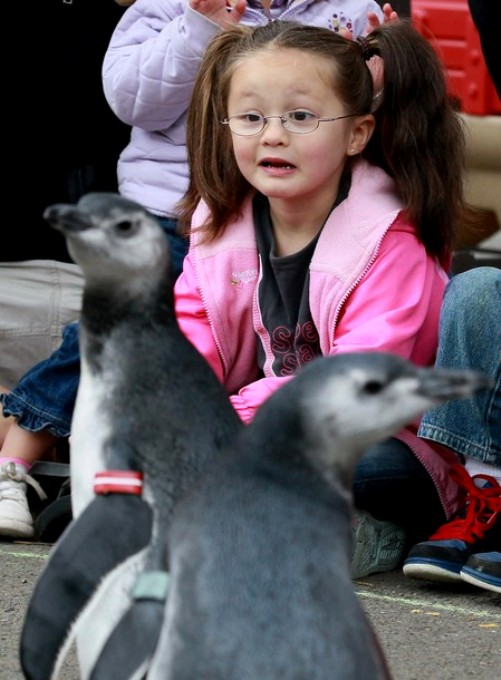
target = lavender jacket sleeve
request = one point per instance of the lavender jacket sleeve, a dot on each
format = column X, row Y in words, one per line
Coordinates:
column 152, row 60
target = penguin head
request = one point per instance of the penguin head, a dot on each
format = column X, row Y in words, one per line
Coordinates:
column 352, row 401
column 112, row 239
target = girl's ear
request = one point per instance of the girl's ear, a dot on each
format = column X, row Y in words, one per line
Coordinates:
column 360, row 133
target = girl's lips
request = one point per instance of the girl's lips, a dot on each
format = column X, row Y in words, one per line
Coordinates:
column 275, row 163
column 276, row 167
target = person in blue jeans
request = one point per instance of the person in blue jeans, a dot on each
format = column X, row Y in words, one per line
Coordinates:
column 468, row 546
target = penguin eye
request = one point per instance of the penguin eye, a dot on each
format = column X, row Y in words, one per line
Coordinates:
column 124, row 226
column 372, row 387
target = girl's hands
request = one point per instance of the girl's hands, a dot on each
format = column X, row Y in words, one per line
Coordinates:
column 218, row 11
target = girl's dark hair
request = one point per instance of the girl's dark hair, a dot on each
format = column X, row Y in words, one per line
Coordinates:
column 418, row 139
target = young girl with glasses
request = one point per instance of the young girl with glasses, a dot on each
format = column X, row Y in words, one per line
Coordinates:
column 322, row 212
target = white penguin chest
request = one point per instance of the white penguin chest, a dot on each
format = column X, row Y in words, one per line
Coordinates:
column 90, row 430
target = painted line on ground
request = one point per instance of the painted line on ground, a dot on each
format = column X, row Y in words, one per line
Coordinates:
column 423, row 604
column 429, row 606
column 40, row 556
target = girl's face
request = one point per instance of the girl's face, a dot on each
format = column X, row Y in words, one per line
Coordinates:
column 280, row 164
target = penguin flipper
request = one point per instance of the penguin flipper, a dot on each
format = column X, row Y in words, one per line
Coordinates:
column 130, row 647
column 109, row 530
column 100, row 615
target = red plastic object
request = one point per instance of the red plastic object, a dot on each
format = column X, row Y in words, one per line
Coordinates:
column 448, row 25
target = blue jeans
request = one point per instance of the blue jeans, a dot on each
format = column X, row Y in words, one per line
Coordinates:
column 178, row 245
column 470, row 338
column 44, row 398
column 391, row 484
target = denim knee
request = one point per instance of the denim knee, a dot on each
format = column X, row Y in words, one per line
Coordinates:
column 470, row 338
column 44, row 398
column 392, row 485
column 470, row 333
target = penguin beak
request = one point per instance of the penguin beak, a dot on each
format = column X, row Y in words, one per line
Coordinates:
column 442, row 385
column 65, row 217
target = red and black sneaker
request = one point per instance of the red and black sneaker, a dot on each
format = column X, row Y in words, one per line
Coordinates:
column 475, row 529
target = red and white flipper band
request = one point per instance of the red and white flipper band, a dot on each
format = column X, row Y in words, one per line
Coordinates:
column 118, row 481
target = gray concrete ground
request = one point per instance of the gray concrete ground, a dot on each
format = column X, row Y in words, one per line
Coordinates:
column 429, row 632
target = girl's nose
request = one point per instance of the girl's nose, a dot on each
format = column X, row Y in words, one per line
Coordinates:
column 274, row 132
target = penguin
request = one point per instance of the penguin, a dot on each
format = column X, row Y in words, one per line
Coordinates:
column 149, row 416
column 260, row 548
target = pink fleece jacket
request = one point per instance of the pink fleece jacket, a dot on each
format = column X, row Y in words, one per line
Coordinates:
column 373, row 287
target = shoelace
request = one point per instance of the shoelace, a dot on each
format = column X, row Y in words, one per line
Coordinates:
column 8, row 471
column 483, row 504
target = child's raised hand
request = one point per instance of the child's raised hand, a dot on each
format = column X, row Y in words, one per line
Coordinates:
column 375, row 64
column 373, row 22
column 221, row 12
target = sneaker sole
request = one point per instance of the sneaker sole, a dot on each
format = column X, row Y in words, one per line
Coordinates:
column 388, row 540
column 14, row 529
column 430, row 571
column 473, row 579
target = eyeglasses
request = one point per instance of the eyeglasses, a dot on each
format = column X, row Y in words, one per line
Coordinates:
column 296, row 122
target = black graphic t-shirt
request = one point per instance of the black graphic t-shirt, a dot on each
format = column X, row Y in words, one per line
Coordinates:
column 283, row 299
column 284, row 295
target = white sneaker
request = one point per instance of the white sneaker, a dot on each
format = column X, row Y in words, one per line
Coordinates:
column 15, row 517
